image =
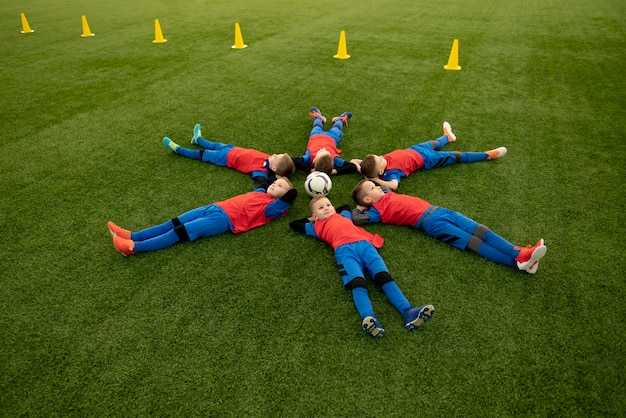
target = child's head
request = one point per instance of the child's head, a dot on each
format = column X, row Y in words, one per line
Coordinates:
column 281, row 164
column 323, row 161
column 366, row 193
column 320, row 207
column 373, row 166
column 279, row 187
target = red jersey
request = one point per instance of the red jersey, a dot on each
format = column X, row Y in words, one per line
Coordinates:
column 246, row 160
column 319, row 141
column 400, row 209
column 247, row 211
column 406, row 160
column 338, row 230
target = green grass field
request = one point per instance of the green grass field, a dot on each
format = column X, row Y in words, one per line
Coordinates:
column 259, row 324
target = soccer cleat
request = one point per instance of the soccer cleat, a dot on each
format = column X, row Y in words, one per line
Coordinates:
column 315, row 112
column 117, row 230
column 496, row 153
column 415, row 317
column 197, row 133
column 528, row 256
column 372, row 326
column 533, row 269
column 447, row 131
column 343, row 117
column 170, row 144
column 125, row 246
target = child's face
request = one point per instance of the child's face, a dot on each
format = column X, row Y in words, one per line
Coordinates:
column 322, row 209
column 278, row 188
column 372, row 192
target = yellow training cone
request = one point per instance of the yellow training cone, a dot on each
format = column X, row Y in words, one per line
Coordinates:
column 342, row 50
column 238, row 38
column 86, row 30
column 158, row 35
column 453, row 61
column 25, row 26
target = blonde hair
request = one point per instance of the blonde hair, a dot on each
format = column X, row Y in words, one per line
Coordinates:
column 369, row 166
column 314, row 199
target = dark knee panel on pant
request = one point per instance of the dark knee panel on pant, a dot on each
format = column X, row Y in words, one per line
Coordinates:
column 383, row 277
column 357, row 282
column 457, row 155
column 474, row 243
column 180, row 230
column 480, row 231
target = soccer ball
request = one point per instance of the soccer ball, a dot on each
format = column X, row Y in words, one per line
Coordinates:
column 317, row 182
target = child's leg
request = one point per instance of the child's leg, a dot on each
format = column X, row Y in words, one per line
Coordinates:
column 361, row 298
column 318, row 127
column 157, row 243
column 463, row 233
column 392, row 291
column 206, row 144
column 434, row 144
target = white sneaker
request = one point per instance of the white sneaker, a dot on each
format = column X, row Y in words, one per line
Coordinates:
column 447, row 131
column 496, row 153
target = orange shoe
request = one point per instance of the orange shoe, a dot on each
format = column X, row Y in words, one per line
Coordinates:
column 496, row 153
column 117, row 230
column 125, row 246
column 528, row 257
column 447, row 131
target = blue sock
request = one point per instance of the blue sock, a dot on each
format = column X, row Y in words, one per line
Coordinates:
column 157, row 243
column 492, row 254
column 396, row 297
column 472, row 157
column 362, row 302
column 189, row 153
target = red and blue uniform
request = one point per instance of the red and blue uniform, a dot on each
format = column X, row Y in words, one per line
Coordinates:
column 237, row 214
column 245, row 160
column 318, row 139
column 355, row 248
column 443, row 224
column 424, row 156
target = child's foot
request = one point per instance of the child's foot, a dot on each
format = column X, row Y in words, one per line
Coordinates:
column 197, row 133
column 372, row 326
column 415, row 317
column 170, row 144
column 343, row 117
column 533, row 268
column 447, row 131
column 528, row 258
column 315, row 112
column 125, row 246
column 117, row 230
column 496, row 153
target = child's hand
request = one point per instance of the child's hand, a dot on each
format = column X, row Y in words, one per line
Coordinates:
column 357, row 163
column 361, row 208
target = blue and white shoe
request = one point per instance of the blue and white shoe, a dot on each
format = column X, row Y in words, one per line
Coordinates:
column 315, row 112
column 372, row 326
column 197, row 133
column 171, row 145
column 415, row 317
column 343, row 117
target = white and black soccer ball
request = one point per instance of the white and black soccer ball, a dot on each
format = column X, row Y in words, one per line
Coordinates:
column 318, row 182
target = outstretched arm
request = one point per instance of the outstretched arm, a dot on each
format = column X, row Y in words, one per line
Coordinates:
column 347, row 168
column 391, row 184
column 301, row 164
column 360, row 217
